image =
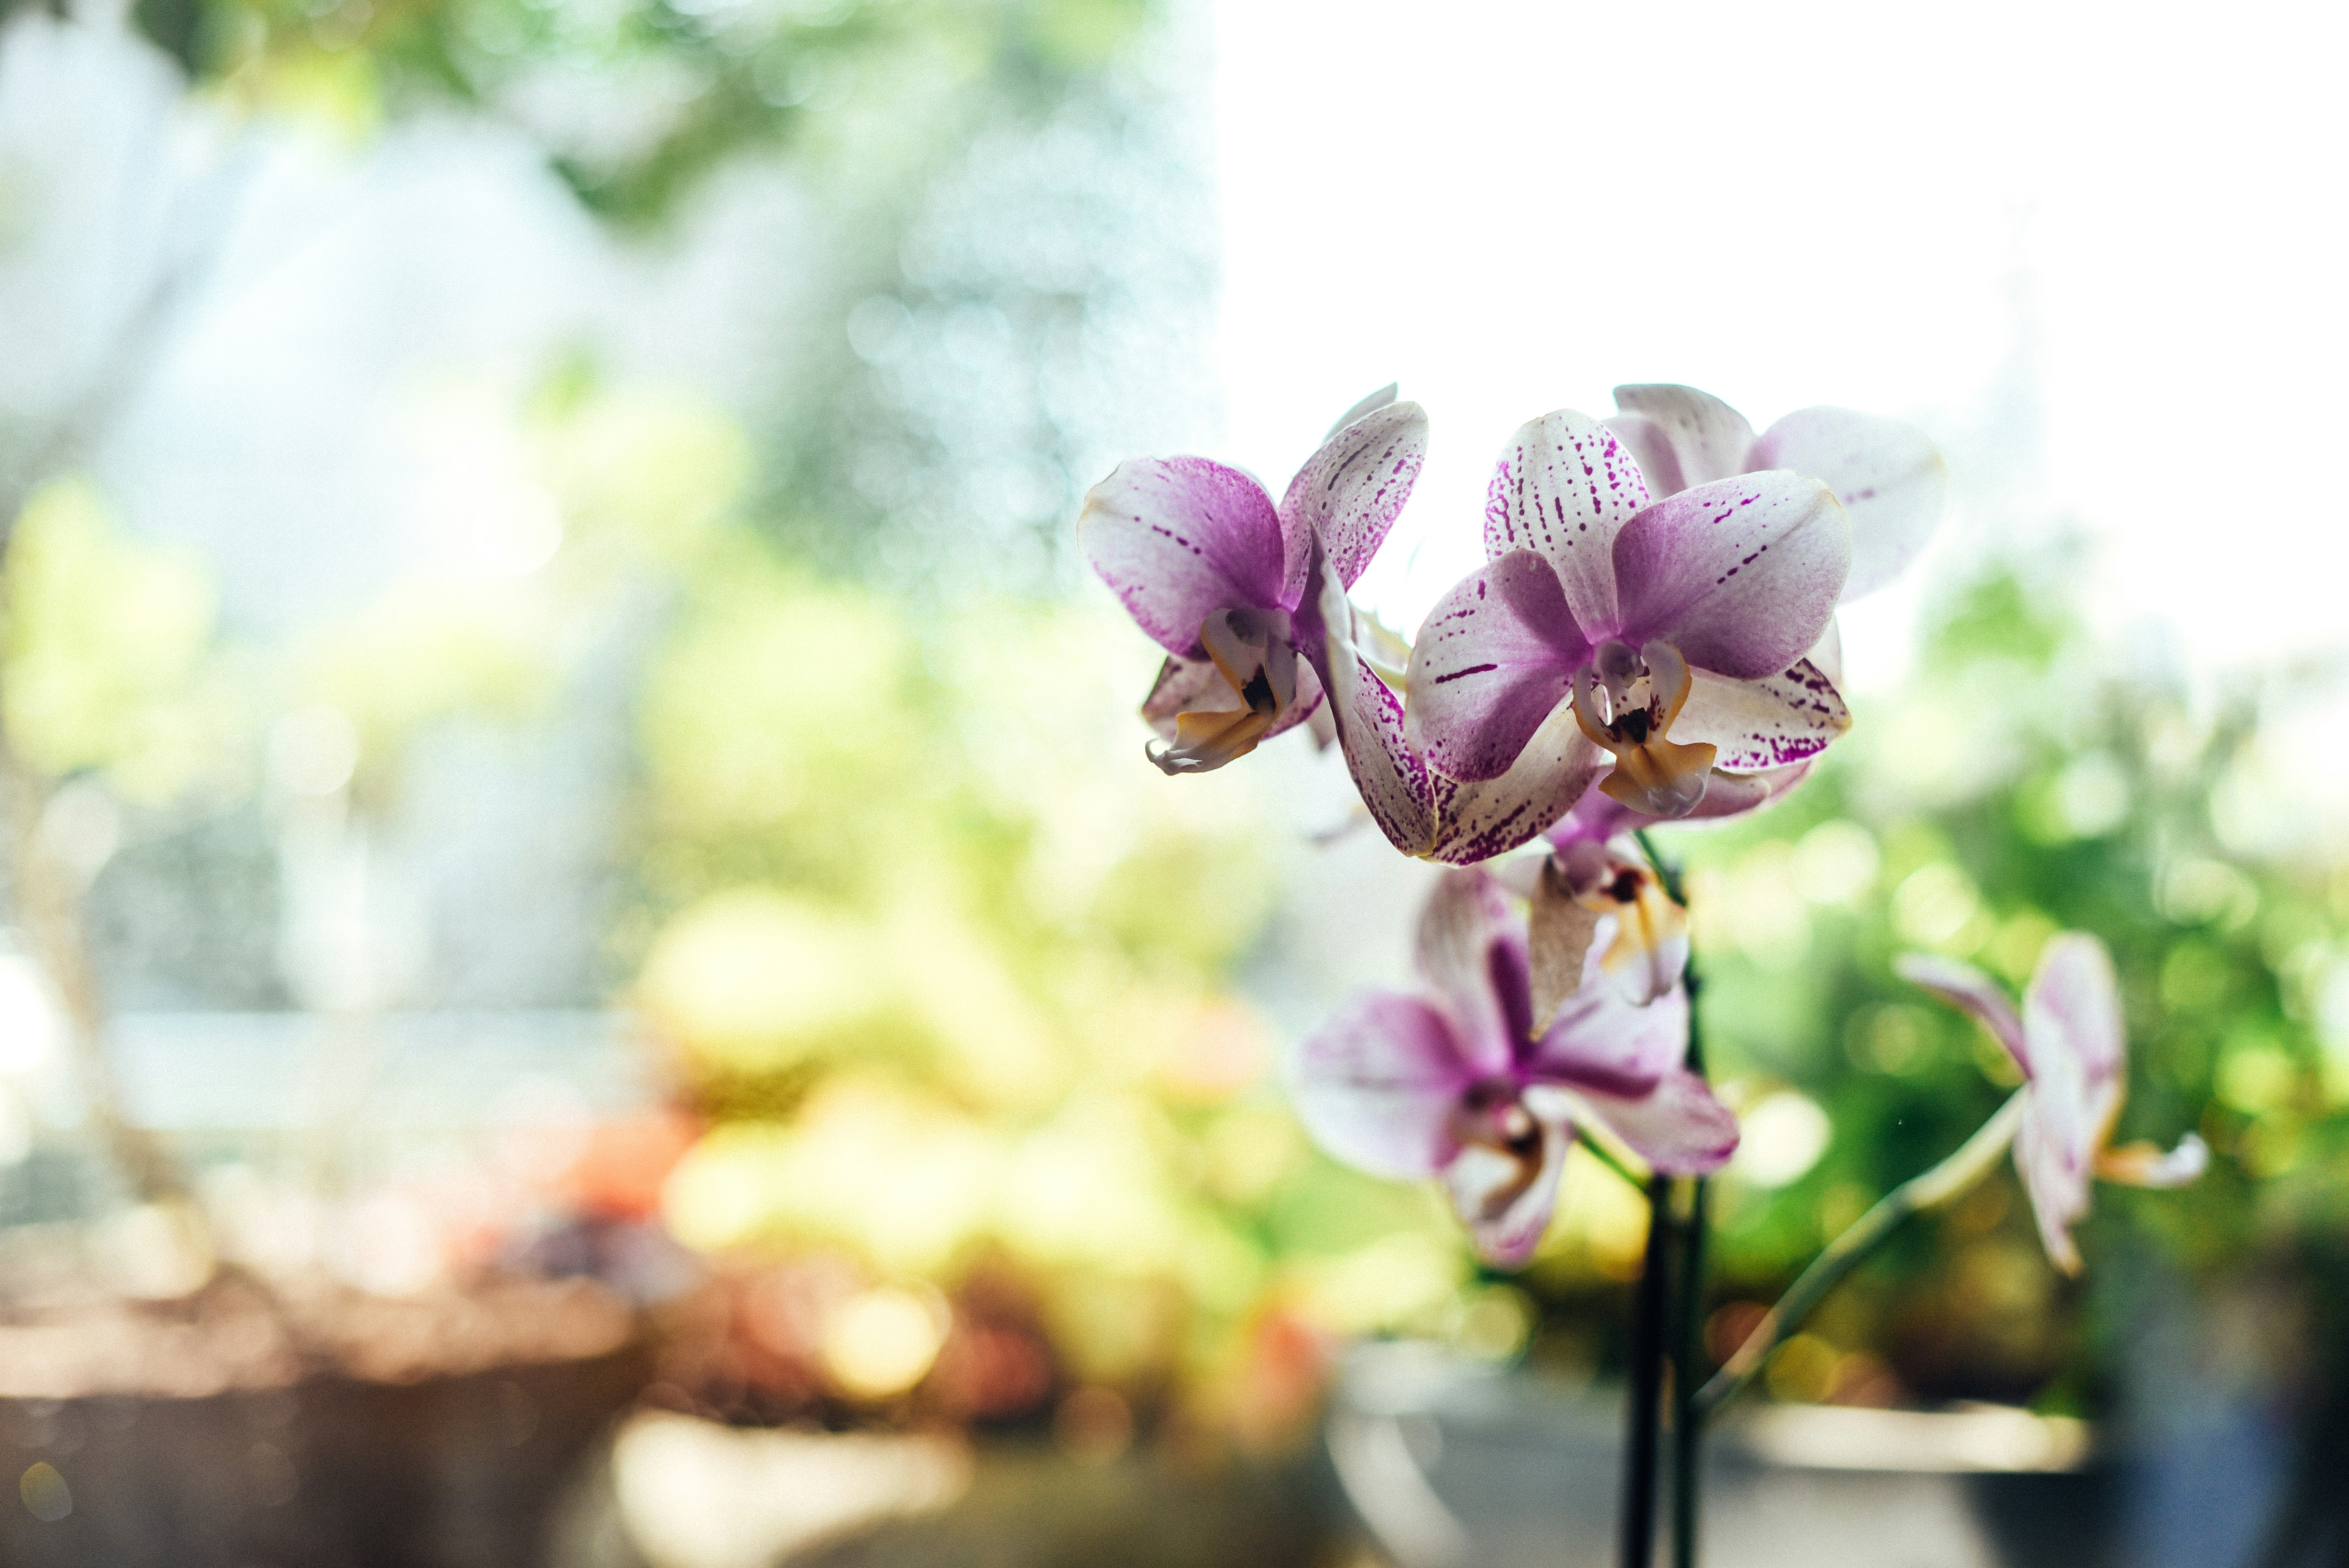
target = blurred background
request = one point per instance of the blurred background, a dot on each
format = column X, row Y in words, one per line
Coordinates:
column 594, row 971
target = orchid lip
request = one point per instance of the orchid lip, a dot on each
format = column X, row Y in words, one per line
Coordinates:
column 1253, row 651
column 1626, row 701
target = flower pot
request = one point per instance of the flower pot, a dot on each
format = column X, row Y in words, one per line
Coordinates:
column 393, row 1441
column 1447, row 1463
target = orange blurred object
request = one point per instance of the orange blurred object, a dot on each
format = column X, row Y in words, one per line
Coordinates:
column 622, row 1166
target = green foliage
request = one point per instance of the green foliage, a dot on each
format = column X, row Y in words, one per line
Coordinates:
column 837, row 82
column 2022, row 785
column 110, row 663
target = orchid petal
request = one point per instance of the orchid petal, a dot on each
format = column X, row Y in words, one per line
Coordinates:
column 2055, row 1167
column 1350, row 492
column 1728, row 796
column 1773, row 722
column 1470, row 948
column 2072, row 1023
column 1493, row 660
column 1476, row 820
column 1391, row 780
column 1968, row 990
column 1377, row 1085
column 1559, row 929
column 1740, row 576
column 2143, row 1164
column 1596, row 818
column 1603, row 1042
column 1181, row 538
column 1681, row 438
column 1376, row 400
column 1827, row 652
column 1506, row 1196
column 2074, row 1006
column 1676, row 1125
column 1564, row 486
column 1885, row 473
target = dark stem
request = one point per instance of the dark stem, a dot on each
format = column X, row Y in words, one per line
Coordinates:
column 1648, row 1309
column 1688, row 1337
column 1688, row 1375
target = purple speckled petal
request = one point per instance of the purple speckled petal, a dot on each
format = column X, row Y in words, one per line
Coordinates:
column 1391, row 779
column 1564, row 486
column 1506, row 1197
column 1682, row 437
column 1759, row 725
column 1180, row 538
column 1377, row 1085
column 1603, row 1041
column 1966, row 989
column 1676, row 1126
column 1478, row 818
column 1196, row 685
column 1470, row 948
column 1350, row 492
column 1494, row 659
column 1886, row 474
column 1740, row 576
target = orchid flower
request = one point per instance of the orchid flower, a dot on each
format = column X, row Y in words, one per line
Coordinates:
column 1231, row 586
column 2072, row 1050
column 1886, row 474
column 1595, row 870
column 1458, row 1083
column 1671, row 634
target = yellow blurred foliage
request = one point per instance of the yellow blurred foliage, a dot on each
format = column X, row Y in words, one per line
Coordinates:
column 110, row 661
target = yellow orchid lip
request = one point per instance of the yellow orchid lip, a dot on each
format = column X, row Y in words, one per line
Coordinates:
column 1258, row 666
column 1626, row 702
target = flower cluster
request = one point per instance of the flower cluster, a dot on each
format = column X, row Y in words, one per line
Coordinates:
column 1650, row 638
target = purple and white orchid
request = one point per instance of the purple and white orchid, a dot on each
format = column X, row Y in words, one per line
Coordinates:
column 1886, row 474
column 1596, row 870
column 1232, row 586
column 2070, row 1042
column 1458, row 1082
column 1672, row 634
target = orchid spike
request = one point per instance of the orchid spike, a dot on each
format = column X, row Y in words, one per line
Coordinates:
column 1887, row 474
column 1672, row 634
column 1227, row 582
column 2071, row 1046
column 1457, row 1082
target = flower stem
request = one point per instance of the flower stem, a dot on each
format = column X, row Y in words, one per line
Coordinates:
column 1647, row 1391
column 1688, row 1421
column 1936, row 1187
column 1688, row 1337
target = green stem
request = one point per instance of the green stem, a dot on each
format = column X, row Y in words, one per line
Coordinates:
column 1936, row 1187
column 1610, row 1159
